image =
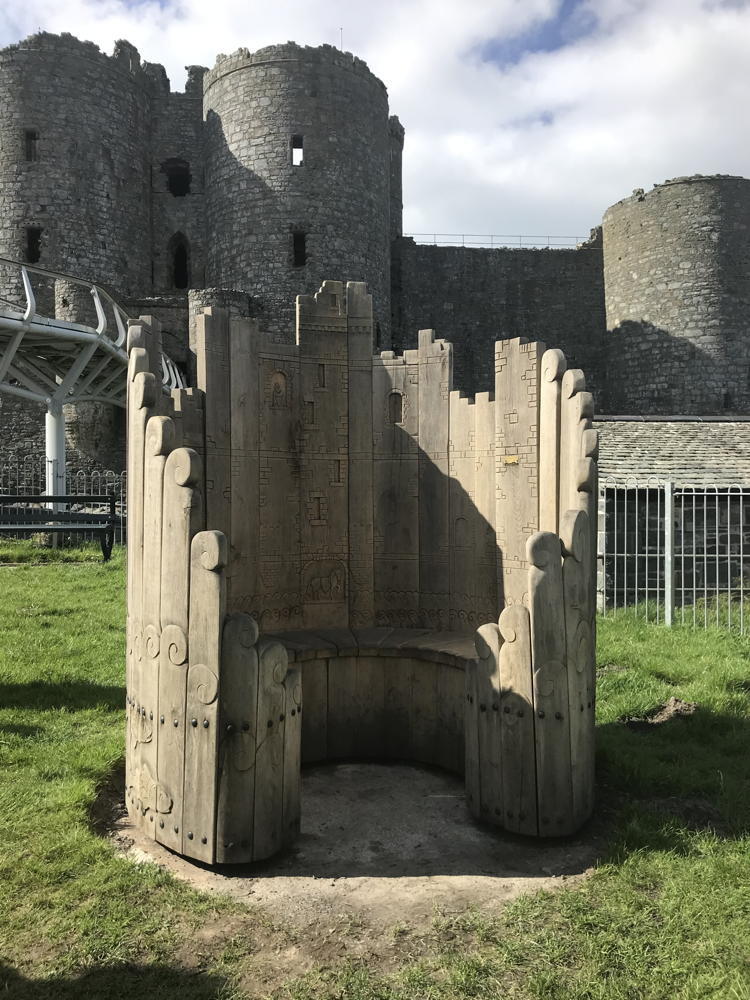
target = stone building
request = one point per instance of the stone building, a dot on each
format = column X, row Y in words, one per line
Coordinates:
column 278, row 169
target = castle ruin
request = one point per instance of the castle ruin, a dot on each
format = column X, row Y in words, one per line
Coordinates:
column 279, row 169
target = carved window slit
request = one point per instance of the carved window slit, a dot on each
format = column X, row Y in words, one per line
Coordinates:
column 298, row 153
column 31, row 145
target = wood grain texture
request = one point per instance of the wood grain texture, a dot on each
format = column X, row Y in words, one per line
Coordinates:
column 517, row 741
column 208, row 555
column 552, row 724
column 553, row 368
column 238, row 707
column 269, row 759
column 488, row 642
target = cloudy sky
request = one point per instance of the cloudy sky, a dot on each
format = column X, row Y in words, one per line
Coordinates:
column 522, row 116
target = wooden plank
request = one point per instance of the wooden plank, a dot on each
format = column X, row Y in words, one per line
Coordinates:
column 212, row 361
column 369, row 728
column 575, row 533
column 517, row 374
column 553, row 368
column 463, row 549
column 451, row 685
column 360, row 475
column 423, row 711
column 269, row 758
column 182, row 519
column 292, row 793
column 471, row 740
column 245, row 463
column 397, row 693
column 552, row 724
column 315, row 717
column 238, row 706
column 159, row 439
column 208, row 554
column 517, row 723
column 343, row 711
column 488, row 643
column 395, row 393
column 485, row 563
column 435, row 384
column 141, row 400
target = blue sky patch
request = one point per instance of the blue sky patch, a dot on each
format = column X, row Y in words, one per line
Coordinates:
column 570, row 23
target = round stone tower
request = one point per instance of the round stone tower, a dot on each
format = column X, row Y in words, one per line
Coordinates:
column 74, row 178
column 298, row 153
column 677, row 292
column 74, row 197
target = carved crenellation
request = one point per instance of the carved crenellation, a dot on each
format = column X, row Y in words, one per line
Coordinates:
column 361, row 492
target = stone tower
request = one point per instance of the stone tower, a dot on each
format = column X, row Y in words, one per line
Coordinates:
column 297, row 157
column 677, row 290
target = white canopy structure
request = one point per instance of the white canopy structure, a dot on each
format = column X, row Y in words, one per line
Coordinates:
column 52, row 361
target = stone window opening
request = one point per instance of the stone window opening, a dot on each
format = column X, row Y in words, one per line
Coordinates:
column 321, row 376
column 31, row 145
column 298, row 152
column 33, row 250
column 179, row 177
column 395, row 408
column 299, row 249
column 727, row 400
column 178, row 253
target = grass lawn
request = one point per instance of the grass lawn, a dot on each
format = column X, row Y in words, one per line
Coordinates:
column 665, row 915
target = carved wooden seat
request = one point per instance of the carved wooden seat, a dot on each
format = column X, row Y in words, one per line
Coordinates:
column 419, row 566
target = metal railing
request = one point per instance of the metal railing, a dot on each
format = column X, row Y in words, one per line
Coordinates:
column 676, row 554
column 28, row 477
column 500, row 242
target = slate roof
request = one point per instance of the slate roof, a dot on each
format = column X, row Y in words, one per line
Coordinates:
column 686, row 451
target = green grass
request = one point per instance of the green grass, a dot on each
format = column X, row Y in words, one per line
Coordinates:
column 665, row 915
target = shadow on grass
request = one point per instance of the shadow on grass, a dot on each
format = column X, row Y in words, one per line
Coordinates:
column 74, row 695
column 118, row 981
column 667, row 781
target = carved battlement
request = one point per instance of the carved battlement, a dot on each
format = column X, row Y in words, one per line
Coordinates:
column 372, row 519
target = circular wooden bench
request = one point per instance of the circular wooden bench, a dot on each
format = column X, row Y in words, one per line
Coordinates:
column 382, row 694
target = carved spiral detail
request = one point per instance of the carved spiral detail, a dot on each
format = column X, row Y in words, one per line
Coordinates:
column 159, row 435
column 175, row 643
column 553, row 365
column 514, row 621
column 144, row 390
column 136, row 338
column 210, row 549
column 137, row 363
column 590, row 444
column 247, row 630
column 573, row 381
column 485, row 639
column 545, row 677
column 153, row 638
column 184, row 466
column 542, row 548
column 574, row 528
column 203, row 683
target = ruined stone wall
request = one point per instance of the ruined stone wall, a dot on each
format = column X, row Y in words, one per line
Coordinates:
column 473, row 297
column 177, row 144
column 336, row 200
column 677, row 282
column 85, row 185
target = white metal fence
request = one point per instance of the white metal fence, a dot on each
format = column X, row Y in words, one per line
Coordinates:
column 675, row 553
column 29, row 477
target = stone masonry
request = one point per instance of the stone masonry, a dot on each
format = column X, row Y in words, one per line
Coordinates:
column 278, row 169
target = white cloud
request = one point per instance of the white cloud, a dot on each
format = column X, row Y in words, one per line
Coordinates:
column 542, row 145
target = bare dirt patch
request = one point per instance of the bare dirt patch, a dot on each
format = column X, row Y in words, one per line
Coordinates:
column 383, row 849
column 675, row 708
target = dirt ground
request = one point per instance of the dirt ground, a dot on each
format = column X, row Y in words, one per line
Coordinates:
column 383, row 849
